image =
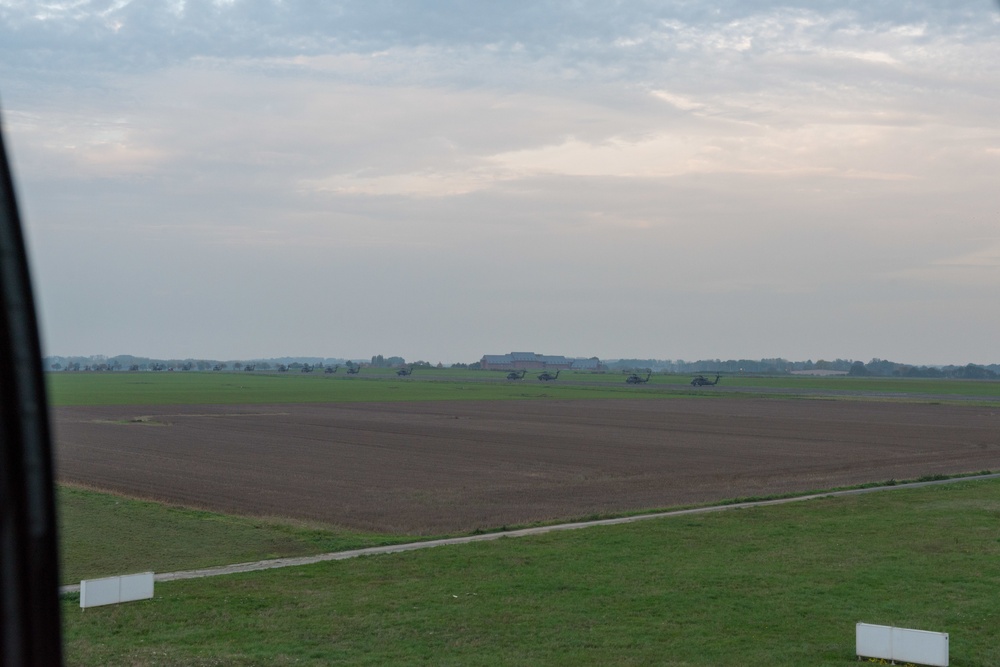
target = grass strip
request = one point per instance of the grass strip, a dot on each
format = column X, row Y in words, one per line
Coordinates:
column 192, row 388
column 102, row 534
column 777, row 585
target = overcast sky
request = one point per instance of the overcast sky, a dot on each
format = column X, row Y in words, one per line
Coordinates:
column 440, row 180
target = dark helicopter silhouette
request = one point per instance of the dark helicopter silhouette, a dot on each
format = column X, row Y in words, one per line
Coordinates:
column 635, row 378
column 702, row 381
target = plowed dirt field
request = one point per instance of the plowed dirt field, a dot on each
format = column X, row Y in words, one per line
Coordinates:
column 432, row 467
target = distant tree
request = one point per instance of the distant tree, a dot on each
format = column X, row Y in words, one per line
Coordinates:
column 919, row 372
column 56, row 366
column 858, row 369
column 974, row 372
column 881, row 367
column 264, row 366
column 238, row 366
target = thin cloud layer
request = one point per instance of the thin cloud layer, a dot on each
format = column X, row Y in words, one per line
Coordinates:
column 440, row 180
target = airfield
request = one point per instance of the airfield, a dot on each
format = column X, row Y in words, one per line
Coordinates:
column 316, row 464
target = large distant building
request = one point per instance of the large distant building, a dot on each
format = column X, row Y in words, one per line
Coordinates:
column 516, row 361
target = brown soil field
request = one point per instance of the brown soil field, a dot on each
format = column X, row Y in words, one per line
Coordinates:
column 431, row 468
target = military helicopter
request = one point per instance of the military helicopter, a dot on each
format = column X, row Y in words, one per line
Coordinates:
column 546, row 376
column 353, row 370
column 702, row 381
column 635, row 378
column 404, row 371
column 514, row 376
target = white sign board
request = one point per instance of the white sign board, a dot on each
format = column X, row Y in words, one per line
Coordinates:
column 136, row 587
column 112, row 590
column 97, row 592
column 889, row 643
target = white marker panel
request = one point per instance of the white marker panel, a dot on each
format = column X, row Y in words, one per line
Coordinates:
column 902, row 644
column 112, row 590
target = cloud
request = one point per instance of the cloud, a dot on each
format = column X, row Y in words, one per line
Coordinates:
column 988, row 257
column 602, row 159
column 975, row 271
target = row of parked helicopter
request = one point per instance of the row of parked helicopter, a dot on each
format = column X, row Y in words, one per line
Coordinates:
column 698, row 381
column 634, row 378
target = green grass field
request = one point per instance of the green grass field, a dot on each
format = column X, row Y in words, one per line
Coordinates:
column 781, row 585
column 234, row 388
column 446, row 384
column 103, row 534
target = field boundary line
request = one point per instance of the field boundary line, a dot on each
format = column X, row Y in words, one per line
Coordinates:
column 275, row 563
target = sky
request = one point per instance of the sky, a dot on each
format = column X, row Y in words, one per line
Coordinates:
column 241, row 179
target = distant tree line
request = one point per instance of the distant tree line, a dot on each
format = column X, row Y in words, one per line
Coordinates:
column 101, row 363
column 883, row 368
column 777, row 366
